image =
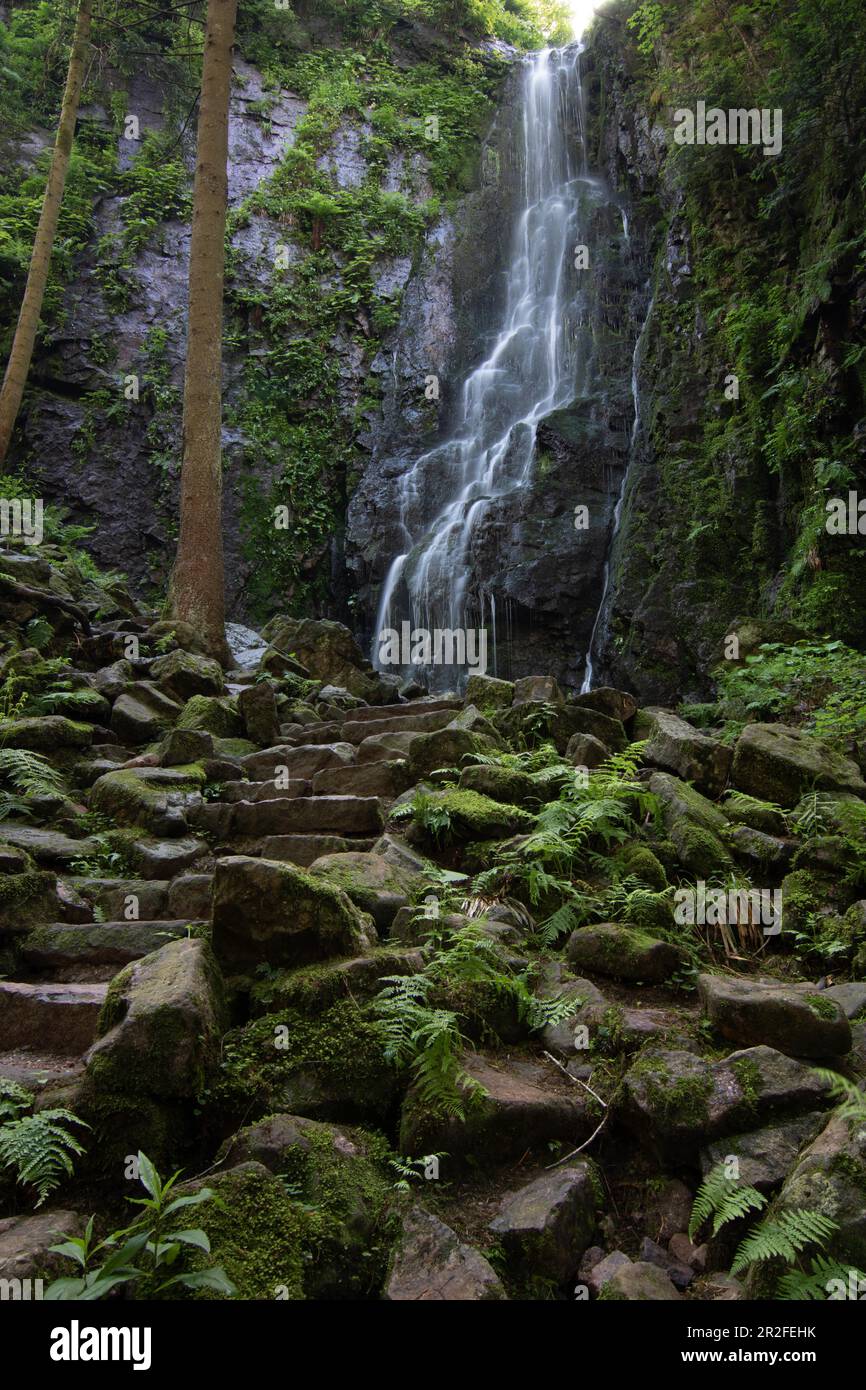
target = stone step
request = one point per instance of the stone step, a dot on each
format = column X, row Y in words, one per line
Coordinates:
column 34, row 1070
column 384, row 748
column 303, row 760
column 386, row 779
column 410, row 707
column 304, row 850
column 265, row 791
column 98, row 943
column 60, row 1018
column 353, row 815
column 356, row 730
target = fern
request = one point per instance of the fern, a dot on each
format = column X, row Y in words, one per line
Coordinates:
column 30, row 773
column 40, row 1148
column 783, row 1237
column 724, row 1199
column 13, row 1099
column 814, row 1283
column 851, row 1100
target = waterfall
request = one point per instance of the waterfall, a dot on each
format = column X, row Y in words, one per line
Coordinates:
column 532, row 370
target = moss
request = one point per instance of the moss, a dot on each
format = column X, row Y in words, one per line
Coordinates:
column 27, row 899
column 216, row 715
column 822, row 1007
column 331, row 1066
column 258, row 1234
column 472, row 816
column 638, row 861
column 749, row 1080
column 680, row 1100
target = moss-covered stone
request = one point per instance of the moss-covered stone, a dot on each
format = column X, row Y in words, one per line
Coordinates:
column 217, row 716
column 26, row 900
column 328, row 1067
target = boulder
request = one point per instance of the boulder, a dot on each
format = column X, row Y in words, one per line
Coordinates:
column 217, row 716
column 442, row 748
column 675, row 1101
column 537, row 689
column 779, row 764
column 26, row 1241
column 673, row 745
column 183, row 746
column 374, row 885
column 268, row 911
column 326, row 650
column 694, row 824
column 183, row 674
column 791, row 1019
column 624, row 953
column 765, row 1156
column 143, row 713
column 616, row 704
column 44, row 733
column 258, row 709
column 585, row 750
column 830, row 1177
column 546, row 1226
column 156, row 798
column 431, row 1264
column 639, row 1283
column 488, row 692
column 161, row 1024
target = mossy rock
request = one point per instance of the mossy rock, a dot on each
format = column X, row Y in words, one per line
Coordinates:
column 154, row 798
column 329, row 1067
column 625, row 953
column 316, row 987
column 45, row 733
column 182, row 675
column 471, row 816
column 217, row 716
column 27, row 900
column 638, row 861
column 505, row 784
column 340, row 1178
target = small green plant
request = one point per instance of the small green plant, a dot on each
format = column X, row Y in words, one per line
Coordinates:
column 150, row 1249
column 41, row 1148
column 723, row 1199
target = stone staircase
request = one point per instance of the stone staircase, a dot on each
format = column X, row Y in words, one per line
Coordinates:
column 324, row 790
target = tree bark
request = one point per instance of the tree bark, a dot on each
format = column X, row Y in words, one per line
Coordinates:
column 197, row 590
column 18, row 366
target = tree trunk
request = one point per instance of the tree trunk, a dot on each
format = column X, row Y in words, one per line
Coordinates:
column 197, row 593
column 18, row 365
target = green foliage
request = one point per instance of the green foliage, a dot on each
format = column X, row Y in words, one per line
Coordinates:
column 40, row 1148
column 822, row 684
column 724, row 1199
column 417, row 1033
column 783, row 1236
column 150, row 1250
column 27, row 774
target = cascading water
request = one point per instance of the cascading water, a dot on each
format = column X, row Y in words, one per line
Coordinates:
column 533, row 369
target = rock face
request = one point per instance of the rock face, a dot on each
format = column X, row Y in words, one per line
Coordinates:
column 777, row 763
column 527, row 554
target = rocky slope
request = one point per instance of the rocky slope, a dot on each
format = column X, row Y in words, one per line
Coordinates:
column 411, row 980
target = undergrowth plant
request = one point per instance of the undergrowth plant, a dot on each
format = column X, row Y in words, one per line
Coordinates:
column 41, row 1147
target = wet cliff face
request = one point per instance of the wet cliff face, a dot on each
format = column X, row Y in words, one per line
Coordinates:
column 753, row 278
column 535, row 565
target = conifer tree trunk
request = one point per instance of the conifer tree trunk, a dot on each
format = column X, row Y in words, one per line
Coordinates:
column 18, row 366
column 197, row 592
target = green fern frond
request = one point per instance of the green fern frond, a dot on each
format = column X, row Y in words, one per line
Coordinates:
column 815, row 1283
column 30, row 773
column 783, row 1237
column 724, row 1199
column 41, row 1148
